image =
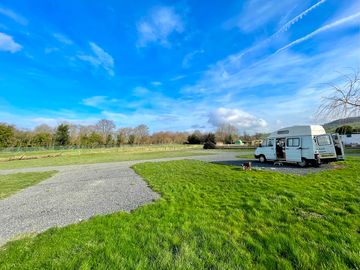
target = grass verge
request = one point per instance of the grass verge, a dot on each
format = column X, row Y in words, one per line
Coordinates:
column 12, row 183
column 213, row 217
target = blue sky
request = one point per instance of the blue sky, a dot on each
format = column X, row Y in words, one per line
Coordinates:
column 173, row 65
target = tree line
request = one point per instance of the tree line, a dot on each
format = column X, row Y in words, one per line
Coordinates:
column 104, row 133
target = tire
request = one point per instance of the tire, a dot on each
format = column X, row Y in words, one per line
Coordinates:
column 316, row 164
column 262, row 159
column 303, row 163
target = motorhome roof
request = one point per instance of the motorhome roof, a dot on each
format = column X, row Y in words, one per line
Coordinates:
column 298, row 131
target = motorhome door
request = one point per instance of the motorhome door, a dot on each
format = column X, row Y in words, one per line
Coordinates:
column 339, row 148
column 293, row 149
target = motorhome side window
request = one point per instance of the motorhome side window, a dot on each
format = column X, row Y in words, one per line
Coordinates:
column 293, row 142
column 323, row 140
column 270, row 142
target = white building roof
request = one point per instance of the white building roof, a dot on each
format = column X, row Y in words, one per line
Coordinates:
column 312, row 130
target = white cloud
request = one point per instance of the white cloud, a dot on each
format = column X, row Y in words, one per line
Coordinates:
column 8, row 44
column 100, row 102
column 257, row 13
column 189, row 57
column 158, row 26
column 99, row 58
column 156, row 83
column 14, row 16
column 63, row 39
column 236, row 117
column 141, row 91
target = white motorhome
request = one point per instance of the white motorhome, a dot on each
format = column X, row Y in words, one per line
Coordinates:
column 302, row 145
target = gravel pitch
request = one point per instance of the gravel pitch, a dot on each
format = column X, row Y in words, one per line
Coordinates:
column 78, row 192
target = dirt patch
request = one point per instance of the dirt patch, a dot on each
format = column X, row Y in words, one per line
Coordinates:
column 23, row 157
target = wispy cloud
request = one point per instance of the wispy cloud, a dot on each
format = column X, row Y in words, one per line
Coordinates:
column 158, row 26
column 14, row 16
column 257, row 13
column 98, row 101
column 285, row 27
column 189, row 57
column 320, row 30
column 297, row 18
column 99, row 58
column 8, row 44
column 63, row 39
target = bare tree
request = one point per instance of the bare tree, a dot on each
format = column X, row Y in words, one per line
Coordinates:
column 345, row 98
column 105, row 128
column 227, row 133
column 43, row 128
column 141, row 132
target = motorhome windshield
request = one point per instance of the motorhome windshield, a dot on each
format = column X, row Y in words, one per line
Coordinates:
column 323, row 140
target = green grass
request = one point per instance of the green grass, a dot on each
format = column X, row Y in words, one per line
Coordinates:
column 352, row 151
column 88, row 156
column 12, row 183
column 213, row 217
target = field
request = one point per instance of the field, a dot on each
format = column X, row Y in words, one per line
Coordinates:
column 213, row 217
column 13, row 160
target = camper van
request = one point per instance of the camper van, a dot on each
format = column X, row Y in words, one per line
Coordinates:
column 303, row 145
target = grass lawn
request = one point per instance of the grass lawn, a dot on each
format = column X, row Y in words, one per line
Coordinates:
column 88, row 156
column 213, row 217
column 352, row 151
column 12, row 183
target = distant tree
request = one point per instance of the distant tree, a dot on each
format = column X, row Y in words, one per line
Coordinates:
column 62, row 136
column 105, row 127
column 209, row 141
column 95, row 139
column 344, row 100
column 123, row 135
column 344, row 129
column 22, row 138
column 43, row 128
column 6, row 135
column 43, row 139
column 131, row 140
column 227, row 133
column 141, row 132
column 109, row 140
column 196, row 138
column 229, row 139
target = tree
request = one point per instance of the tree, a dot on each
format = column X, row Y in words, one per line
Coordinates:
column 62, row 136
column 196, row 138
column 105, row 127
column 227, row 133
column 43, row 128
column 95, row 139
column 6, row 135
column 210, row 141
column 141, row 132
column 344, row 100
column 344, row 130
column 131, row 140
column 42, row 139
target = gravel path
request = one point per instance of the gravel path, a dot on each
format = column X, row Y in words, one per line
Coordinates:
column 78, row 192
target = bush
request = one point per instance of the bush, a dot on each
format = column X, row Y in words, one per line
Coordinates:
column 210, row 141
column 209, row 145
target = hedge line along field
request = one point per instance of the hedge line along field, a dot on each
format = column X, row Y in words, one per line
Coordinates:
column 213, row 216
